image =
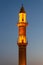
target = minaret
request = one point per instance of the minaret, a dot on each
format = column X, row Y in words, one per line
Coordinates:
column 22, row 40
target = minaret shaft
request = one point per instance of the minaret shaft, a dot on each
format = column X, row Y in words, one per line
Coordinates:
column 22, row 55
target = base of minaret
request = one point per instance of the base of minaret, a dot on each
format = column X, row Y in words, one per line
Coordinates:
column 22, row 55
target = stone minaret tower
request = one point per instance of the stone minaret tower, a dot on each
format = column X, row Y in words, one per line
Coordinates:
column 22, row 40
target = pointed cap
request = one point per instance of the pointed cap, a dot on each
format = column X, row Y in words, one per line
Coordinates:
column 22, row 10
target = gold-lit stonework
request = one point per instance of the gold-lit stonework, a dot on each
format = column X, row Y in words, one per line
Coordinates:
column 22, row 17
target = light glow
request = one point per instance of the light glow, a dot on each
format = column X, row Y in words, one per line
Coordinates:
column 22, row 39
column 22, row 17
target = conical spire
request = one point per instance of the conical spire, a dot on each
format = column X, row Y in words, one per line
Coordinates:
column 22, row 10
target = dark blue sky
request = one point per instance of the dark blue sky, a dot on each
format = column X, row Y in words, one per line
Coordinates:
column 9, row 10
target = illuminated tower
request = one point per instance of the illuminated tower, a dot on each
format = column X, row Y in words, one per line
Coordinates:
column 22, row 40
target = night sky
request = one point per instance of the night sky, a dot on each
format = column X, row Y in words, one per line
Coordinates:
column 9, row 10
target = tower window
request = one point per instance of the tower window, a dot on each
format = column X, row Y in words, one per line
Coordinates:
column 22, row 19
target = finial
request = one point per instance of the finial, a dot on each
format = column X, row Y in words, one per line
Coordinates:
column 22, row 9
column 22, row 4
